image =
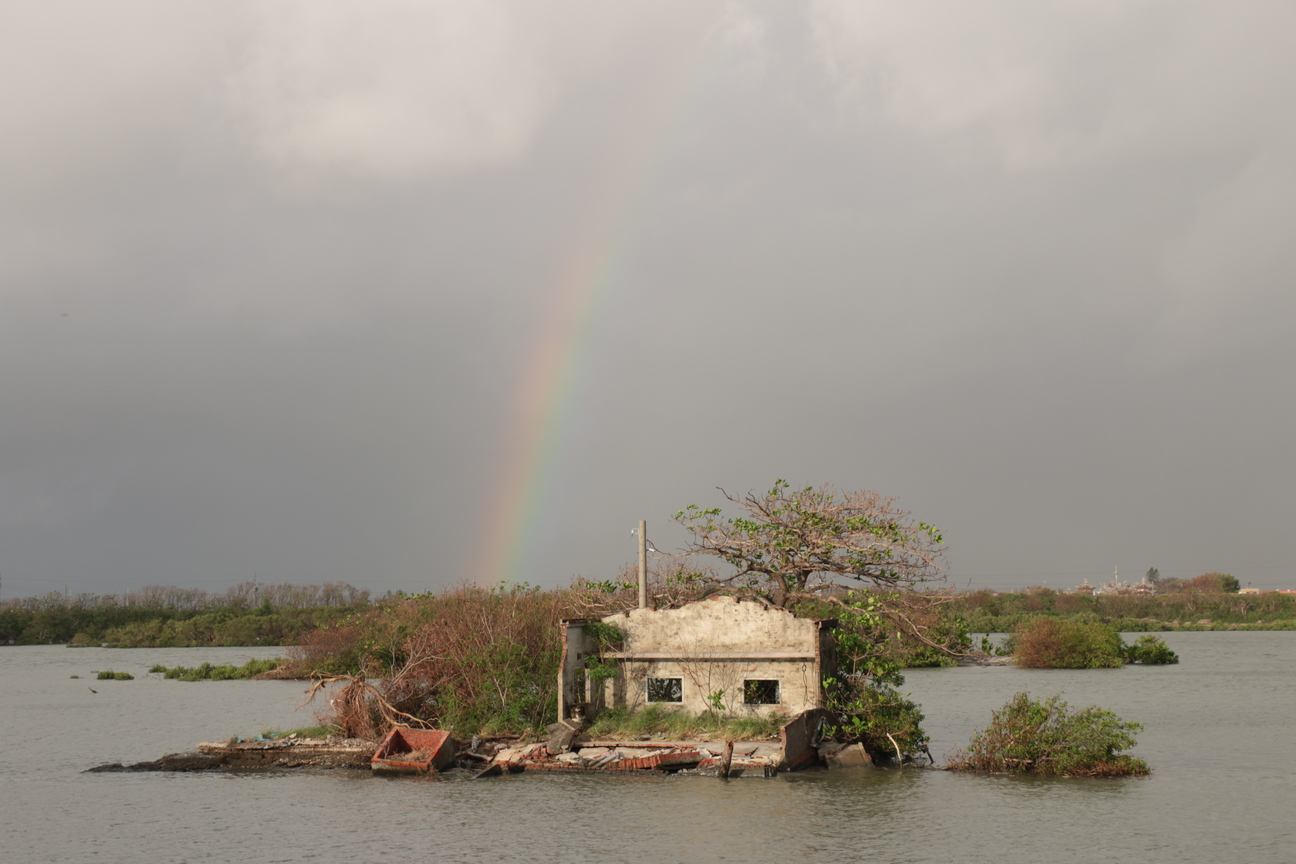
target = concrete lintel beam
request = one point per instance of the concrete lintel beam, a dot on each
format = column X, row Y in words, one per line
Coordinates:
column 710, row 655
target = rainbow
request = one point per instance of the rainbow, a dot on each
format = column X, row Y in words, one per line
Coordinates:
column 547, row 390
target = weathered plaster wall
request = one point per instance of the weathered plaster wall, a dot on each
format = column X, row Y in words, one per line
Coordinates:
column 701, row 677
column 718, row 624
column 713, row 646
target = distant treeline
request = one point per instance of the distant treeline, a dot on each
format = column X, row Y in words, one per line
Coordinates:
column 252, row 613
column 256, row 613
column 992, row 612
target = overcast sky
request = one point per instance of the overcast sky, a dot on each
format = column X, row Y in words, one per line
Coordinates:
column 280, row 281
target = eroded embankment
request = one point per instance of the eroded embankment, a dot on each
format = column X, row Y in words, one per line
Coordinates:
column 283, row 753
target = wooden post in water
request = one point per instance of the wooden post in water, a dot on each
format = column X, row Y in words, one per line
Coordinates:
column 726, row 759
column 643, row 564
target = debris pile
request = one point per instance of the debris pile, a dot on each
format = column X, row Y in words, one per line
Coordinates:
column 760, row 759
column 430, row 751
column 414, row 751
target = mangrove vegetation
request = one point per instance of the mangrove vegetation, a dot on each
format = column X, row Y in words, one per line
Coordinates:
column 252, row 613
column 1032, row 736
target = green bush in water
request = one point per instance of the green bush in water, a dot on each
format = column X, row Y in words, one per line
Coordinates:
column 1061, row 643
column 1150, row 651
column 109, row 675
column 1043, row 737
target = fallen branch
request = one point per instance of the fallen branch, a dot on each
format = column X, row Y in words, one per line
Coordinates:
column 351, row 707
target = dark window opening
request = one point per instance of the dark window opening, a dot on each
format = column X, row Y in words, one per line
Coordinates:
column 761, row 692
column 665, row 689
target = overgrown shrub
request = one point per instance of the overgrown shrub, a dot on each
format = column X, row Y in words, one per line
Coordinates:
column 470, row 659
column 109, row 675
column 1060, row 643
column 1030, row 736
column 1150, row 651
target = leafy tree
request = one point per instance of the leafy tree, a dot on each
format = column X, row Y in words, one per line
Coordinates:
column 800, row 549
column 795, row 548
column 793, row 544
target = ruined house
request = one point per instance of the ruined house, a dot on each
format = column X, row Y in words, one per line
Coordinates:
column 718, row 654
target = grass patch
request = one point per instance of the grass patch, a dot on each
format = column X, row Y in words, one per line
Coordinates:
column 110, row 675
column 280, row 734
column 655, row 721
column 225, row 672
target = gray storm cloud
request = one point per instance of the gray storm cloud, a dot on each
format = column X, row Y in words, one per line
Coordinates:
column 420, row 89
column 273, row 275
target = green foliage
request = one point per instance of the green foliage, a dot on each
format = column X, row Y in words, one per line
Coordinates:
column 598, row 670
column 1030, row 736
column 881, row 632
column 991, row 612
column 1150, row 651
column 176, row 617
column 604, row 636
column 876, row 715
column 226, row 627
column 951, row 635
column 109, row 675
column 863, row 694
column 224, row 672
column 861, row 635
column 990, row 649
column 1053, row 643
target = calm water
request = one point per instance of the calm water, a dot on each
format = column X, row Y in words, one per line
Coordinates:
column 1220, row 733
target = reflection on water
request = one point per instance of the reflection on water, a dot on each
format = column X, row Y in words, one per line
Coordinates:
column 1219, row 736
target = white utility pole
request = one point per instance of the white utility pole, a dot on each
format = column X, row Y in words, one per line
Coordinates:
column 643, row 564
